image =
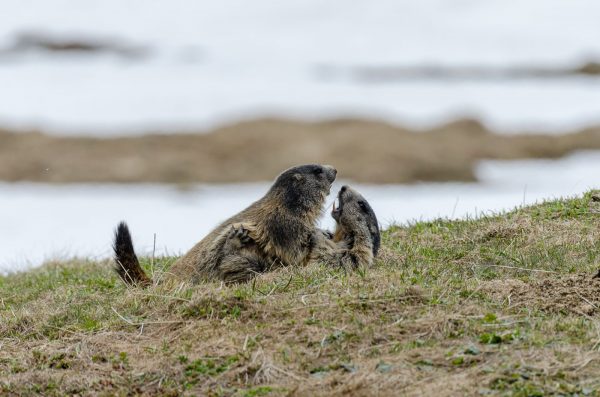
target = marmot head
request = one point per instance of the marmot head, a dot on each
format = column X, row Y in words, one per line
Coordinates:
column 303, row 189
column 354, row 213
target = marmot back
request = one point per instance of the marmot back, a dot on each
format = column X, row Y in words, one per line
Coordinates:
column 277, row 230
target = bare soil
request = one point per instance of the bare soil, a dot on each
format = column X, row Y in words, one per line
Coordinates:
column 362, row 150
column 390, row 74
column 51, row 44
column 576, row 294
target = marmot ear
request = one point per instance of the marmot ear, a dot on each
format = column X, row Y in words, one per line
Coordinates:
column 298, row 177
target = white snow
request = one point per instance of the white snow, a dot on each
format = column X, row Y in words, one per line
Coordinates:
column 215, row 62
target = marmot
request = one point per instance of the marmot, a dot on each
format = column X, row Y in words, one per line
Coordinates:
column 277, row 230
column 356, row 239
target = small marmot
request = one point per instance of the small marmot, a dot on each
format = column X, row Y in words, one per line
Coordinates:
column 277, row 230
column 356, row 240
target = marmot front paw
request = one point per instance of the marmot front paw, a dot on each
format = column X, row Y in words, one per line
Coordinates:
column 239, row 236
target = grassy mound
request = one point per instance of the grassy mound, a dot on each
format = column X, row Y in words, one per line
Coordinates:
column 504, row 304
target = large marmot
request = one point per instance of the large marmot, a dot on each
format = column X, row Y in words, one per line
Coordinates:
column 277, row 230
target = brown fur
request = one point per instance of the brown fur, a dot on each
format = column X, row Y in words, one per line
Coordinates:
column 280, row 226
column 277, row 230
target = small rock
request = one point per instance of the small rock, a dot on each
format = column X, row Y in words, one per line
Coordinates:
column 383, row 367
column 472, row 350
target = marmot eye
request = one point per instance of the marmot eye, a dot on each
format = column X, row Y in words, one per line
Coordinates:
column 363, row 206
column 318, row 171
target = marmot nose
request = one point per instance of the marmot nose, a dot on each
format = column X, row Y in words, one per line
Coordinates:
column 331, row 172
column 344, row 188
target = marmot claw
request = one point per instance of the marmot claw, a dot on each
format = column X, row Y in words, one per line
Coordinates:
column 240, row 233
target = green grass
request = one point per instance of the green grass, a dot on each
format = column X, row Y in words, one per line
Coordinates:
column 500, row 305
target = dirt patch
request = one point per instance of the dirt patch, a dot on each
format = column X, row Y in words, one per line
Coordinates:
column 576, row 294
column 52, row 44
column 362, row 150
column 389, row 74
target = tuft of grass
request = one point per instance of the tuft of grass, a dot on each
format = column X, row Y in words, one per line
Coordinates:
column 499, row 305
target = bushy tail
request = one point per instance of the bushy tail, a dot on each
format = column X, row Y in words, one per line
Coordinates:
column 126, row 262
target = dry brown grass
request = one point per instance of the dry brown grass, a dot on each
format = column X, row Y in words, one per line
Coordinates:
column 258, row 150
column 503, row 305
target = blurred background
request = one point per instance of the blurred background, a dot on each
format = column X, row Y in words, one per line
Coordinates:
column 174, row 115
